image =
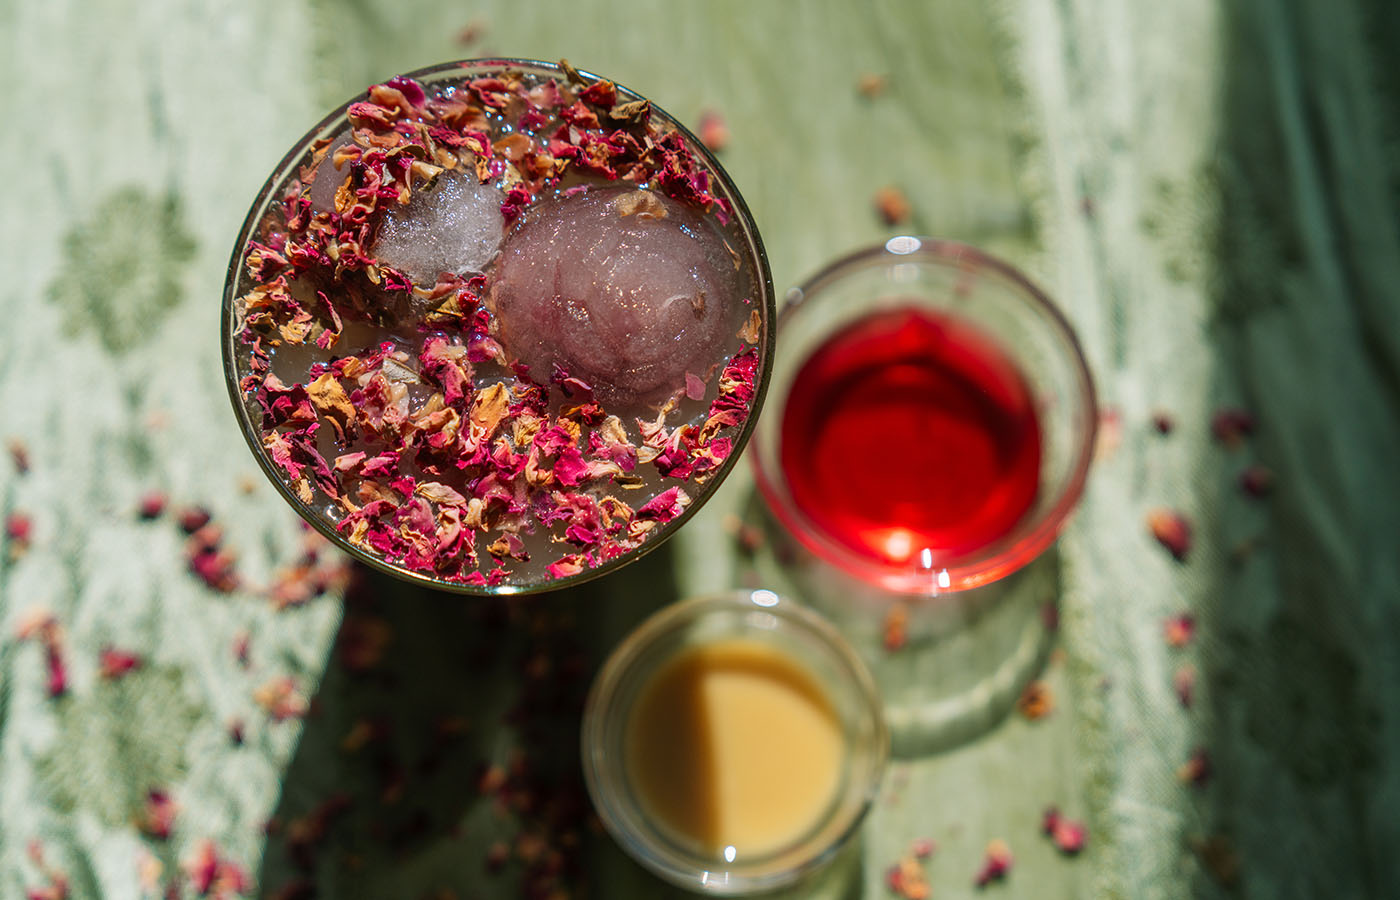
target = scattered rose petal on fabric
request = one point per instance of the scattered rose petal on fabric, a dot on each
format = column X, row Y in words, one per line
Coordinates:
column 211, row 875
column 712, row 130
column 281, row 698
column 871, row 85
column 1257, row 480
column 747, row 537
column 1172, row 531
column 56, row 882
column 908, row 879
column 1179, row 629
column 1231, row 425
column 1184, row 683
column 497, row 855
column 193, row 518
column 1163, row 423
column 1196, row 771
column 471, row 32
column 1110, row 433
column 39, row 624
column 113, row 663
column 157, row 818
column 148, row 871
column 241, row 641
column 996, row 865
column 1217, row 856
column 362, row 641
column 893, row 205
column 1036, row 701
column 896, row 627
column 1068, row 836
column 152, row 504
column 19, row 533
column 19, row 455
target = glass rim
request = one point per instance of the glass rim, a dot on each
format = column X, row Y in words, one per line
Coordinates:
column 251, row 432
column 816, row 847
column 1033, row 534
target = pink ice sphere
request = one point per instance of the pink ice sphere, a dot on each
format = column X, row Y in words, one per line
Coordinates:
column 624, row 289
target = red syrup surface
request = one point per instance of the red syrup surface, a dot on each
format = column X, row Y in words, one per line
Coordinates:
column 911, row 430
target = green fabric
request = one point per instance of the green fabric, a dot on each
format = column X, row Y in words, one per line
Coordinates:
column 1211, row 192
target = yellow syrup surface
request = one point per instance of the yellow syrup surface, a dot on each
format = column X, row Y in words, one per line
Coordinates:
column 734, row 744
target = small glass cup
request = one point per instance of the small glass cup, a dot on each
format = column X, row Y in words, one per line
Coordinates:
column 527, row 576
column 961, row 281
column 951, row 635
column 810, row 642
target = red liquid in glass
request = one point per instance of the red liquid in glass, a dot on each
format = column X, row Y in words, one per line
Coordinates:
column 911, row 430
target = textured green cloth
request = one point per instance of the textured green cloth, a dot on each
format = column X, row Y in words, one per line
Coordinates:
column 1211, row 192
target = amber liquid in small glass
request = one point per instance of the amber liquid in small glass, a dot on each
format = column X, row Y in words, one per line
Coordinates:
column 735, row 748
column 910, row 430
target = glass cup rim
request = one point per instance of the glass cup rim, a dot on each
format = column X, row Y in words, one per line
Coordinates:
column 251, row 432
column 1034, row 534
column 693, row 872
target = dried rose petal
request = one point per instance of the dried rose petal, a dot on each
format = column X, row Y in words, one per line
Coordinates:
column 114, row 663
column 712, row 130
column 1196, row 771
column 1219, row 857
column 19, row 455
column 19, row 527
column 1036, row 701
column 922, row 848
column 1171, row 530
column 1257, row 480
column 40, row 624
column 1179, row 629
column 1184, row 683
column 908, row 879
column 997, row 863
column 497, row 855
column 1110, row 433
column 1231, row 426
column 893, row 205
column 363, row 640
column 896, row 627
column 1068, row 835
column 157, row 815
column 152, row 505
column 240, row 648
column 211, row 875
column 236, row 732
column 871, row 85
column 471, row 32
column 1163, row 423
column 281, row 698
column 193, row 518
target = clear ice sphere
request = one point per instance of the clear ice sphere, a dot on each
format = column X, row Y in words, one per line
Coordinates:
column 624, row 289
column 455, row 225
